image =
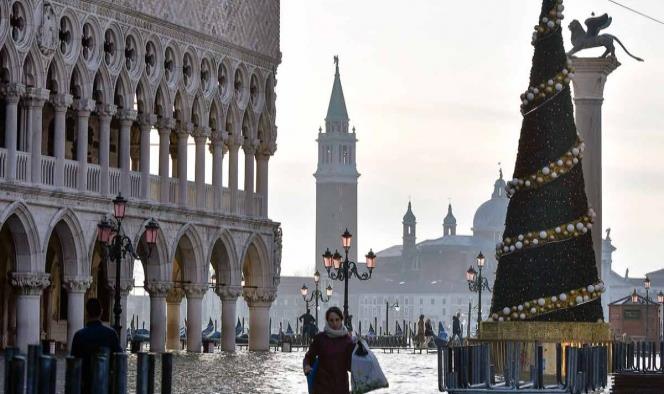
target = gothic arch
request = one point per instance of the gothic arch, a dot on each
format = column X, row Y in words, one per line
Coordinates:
column 11, row 68
column 123, row 93
column 159, row 264
column 103, row 87
column 191, row 250
column 223, row 258
column 56, row 76
column 25, row 236
column 248, row 129
column 256, row 263
column 163, row 102
column 33, row 70
column 80, row 84
column 216, row 115
column 68, row 228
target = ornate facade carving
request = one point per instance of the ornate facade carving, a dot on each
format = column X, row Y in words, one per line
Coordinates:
column 276, row 258
column 77, row 284
column 30, row 283
column 228, row 293
column 193, row 290
column 259, row 295
column 158, row 289
column 174, row 295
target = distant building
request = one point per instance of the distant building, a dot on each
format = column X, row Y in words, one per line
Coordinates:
column 637, row 321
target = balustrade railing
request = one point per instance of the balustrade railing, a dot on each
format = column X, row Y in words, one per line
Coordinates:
column 94, row 178
column 71, row 174
column 134, row 184
column 48, row 170
column 71, row 168
column 22, row 166
column 114, row 177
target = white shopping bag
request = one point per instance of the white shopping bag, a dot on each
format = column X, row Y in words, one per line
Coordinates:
column 365, row 372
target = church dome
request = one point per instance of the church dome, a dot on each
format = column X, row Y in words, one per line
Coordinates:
column 490, row 216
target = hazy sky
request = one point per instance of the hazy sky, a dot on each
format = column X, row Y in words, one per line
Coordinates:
column 433, row 88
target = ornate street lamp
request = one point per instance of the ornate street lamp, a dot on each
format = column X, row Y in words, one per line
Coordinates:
column 396, row 307
column 476, row 283
column 345, row 269
column 117, row 246
column 646, row 284
column 317, row 295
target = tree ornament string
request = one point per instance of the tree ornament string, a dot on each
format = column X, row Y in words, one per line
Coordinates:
column 536, row 96
column 550, row 172
column 549, row 23
column 544, row 305
column 534, row 239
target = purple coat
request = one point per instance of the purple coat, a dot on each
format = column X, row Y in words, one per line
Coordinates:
column 334, row 356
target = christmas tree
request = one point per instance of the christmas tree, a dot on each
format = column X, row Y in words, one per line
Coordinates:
column 546, row 269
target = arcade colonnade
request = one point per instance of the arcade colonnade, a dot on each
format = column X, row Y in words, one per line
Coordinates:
column 84, row 92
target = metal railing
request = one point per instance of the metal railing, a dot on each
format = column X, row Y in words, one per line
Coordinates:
column 643, row 357
column 471, row 369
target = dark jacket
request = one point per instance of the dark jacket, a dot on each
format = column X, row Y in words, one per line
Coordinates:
column 87, row 342
column 334, row 356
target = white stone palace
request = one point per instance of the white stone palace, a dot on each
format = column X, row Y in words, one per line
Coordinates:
column 86, row 87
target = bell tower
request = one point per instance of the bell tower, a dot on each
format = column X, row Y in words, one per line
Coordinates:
column 336, row 178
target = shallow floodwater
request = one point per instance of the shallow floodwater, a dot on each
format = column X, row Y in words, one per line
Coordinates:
column 273, row 372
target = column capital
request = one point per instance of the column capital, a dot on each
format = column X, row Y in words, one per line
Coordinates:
column 218, row 137
column 184, row 129
column 259, row 296
column 106, row 110
column 13, row 92
column 158, row 288
column 264, row 153
column 166, row 124
column 77, row 284
column 30, row 283
column 590, row 76
column 228, row 293
column 201, row 134
column 195, row 290
column 127, row 116
column 174, row 295
column 250, row 146
column 146, row 121
column 84, row 105
column 126, row 285
column 61, row 101
column 37, row 96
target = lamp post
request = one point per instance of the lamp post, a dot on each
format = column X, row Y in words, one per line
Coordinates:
column 660, row 299
column 343, row 270
column 316, row 295
column 396, row 307
column 646, row 284
column 117, row 246
column 476, row 282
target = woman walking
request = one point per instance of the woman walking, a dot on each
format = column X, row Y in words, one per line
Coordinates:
column 333, row 347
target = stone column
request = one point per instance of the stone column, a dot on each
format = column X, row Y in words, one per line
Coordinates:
column 35, row 111
column 173, row 301
column 145, row 122
column 228, row 296
column 158, row 292
column 29, row 286
column 76, row 287
column 195, row 293
column 183, row 188
column 200, row 138
column 13, row 94
column 60, row 102
column 105, row 113
column 249, row 149
column 233, row 149
column 259, row 301
column 217, row 139
column 127, row 118
column 262, row 159
column 164, row 126
column 84, row 107
column 589, row 79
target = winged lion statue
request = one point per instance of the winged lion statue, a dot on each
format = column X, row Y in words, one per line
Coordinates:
column 582, row 39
